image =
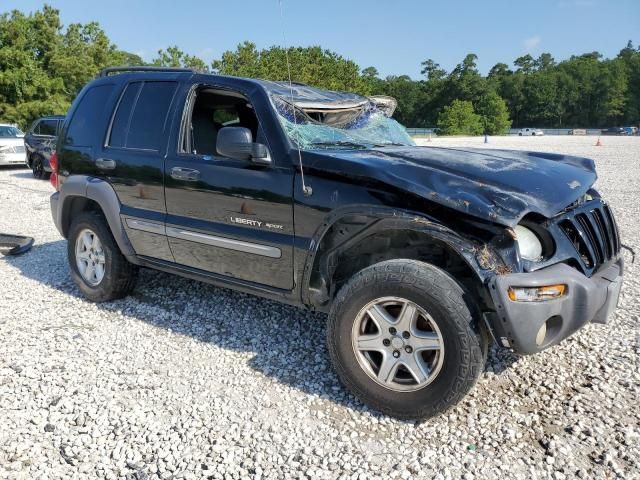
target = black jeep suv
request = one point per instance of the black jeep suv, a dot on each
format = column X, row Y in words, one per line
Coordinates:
column 419, row 255
column 40, row 142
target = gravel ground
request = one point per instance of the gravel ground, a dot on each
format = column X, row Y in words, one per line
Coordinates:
column 184, row 380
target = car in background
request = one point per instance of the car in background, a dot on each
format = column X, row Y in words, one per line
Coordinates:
column 532, row 132
column 614, row 131
column 630, row 130
column 12, row 151
column 40, row 142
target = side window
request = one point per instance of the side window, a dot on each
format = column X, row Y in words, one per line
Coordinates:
column 214, row 109
column 47, row 127
column 141, row 116
column 82, row 129
column 36, row 128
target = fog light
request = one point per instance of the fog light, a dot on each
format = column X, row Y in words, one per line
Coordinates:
column 536, row 294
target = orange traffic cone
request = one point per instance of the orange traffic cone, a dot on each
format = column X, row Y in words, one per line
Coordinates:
column 599, row 142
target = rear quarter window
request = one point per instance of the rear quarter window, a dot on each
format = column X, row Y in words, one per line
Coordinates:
column 141, row 116
column 88, row 116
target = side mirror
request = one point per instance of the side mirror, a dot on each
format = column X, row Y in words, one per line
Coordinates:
column 236, row 142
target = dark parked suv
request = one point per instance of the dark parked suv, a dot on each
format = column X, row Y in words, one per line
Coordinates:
column 40, row 142
column 420, row 255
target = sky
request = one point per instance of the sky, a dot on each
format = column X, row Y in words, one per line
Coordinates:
column 393, row 36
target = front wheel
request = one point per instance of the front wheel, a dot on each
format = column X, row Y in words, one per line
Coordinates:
column 403, row 340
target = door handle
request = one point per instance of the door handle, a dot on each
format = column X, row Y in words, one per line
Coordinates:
column 105, row 164
column 185, row 174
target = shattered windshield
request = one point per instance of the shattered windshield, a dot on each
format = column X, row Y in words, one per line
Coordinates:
column 361, row 126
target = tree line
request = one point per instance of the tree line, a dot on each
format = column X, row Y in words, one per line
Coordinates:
column 43, row 65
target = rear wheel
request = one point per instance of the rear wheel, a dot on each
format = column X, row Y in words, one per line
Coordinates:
column 37, row 167
column 98, row 267
column 403, row 340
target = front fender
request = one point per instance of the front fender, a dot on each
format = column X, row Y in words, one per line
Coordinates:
column 480, row 257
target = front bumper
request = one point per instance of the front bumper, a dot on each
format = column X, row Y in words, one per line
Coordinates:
column 516, row 324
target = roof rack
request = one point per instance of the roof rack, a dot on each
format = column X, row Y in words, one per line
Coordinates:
column 105, row 72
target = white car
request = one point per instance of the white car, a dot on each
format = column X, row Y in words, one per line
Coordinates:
column 12, row 150
column 534, row 132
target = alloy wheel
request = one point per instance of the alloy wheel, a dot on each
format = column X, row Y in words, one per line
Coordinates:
column 90, row 258
column 398, row 344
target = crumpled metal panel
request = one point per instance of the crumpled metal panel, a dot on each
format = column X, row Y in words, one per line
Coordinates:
column 497, row 185
column 305, row 96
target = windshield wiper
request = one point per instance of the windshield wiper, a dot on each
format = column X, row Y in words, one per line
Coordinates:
column 341, row 143
column 391, row 144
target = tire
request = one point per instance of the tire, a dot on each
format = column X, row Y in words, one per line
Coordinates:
column 119, row 276
column 520, row 134
column 37, row 167
column 463, row 346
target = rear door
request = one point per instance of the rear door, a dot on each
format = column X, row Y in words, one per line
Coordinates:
column 132, row 160
column 227, row 216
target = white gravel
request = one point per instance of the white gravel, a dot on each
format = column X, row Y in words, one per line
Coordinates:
column 184, row 380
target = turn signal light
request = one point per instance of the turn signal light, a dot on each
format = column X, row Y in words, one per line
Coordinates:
column 536, row 294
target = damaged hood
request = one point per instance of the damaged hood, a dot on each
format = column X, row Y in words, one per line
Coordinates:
column 497, row 185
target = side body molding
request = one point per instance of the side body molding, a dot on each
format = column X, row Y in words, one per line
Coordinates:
column 83, row 186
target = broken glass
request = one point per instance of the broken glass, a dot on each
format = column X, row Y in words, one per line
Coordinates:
column 364, row 123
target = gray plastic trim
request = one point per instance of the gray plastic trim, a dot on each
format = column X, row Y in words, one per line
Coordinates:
column 586, row 300
column 103, row 194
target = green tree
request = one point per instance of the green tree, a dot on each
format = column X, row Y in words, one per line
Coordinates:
column 310, row 65
column 525, row 64
column 409, row 95
column 175, row 58
column 432, row 70
column 43, row 66
column 545, row 60
column 494, row 114
column 459, row 118
column 370, row 73
column 629, row 57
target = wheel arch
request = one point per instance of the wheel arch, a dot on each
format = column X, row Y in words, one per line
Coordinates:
column 82, row 193
column 352, row 241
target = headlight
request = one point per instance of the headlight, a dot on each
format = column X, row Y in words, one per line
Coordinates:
column 528, row 243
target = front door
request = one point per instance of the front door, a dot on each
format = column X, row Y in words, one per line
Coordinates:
column 226, row 216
